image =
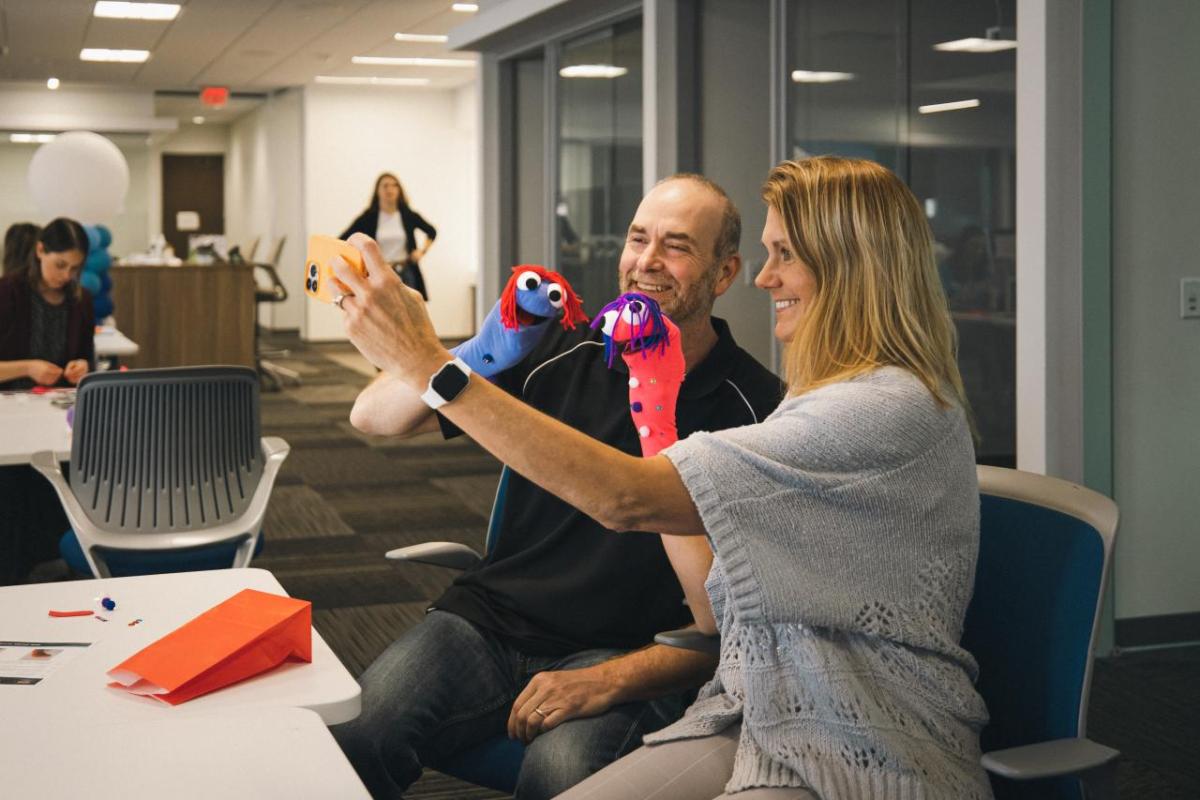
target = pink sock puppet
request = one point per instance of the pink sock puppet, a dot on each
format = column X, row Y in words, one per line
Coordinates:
column 653, row 351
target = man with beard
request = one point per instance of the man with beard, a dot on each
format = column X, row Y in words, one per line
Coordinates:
column 550, row 639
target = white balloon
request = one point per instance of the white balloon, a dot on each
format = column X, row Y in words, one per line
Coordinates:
column 80, row 175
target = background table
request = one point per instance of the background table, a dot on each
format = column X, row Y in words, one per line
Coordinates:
column 275, row 752
column 111, row 343
column 77, row 693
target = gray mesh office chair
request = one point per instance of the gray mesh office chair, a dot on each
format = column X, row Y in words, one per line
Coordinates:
column 167, row 466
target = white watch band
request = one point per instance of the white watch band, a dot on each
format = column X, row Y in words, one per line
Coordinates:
column 431, row 397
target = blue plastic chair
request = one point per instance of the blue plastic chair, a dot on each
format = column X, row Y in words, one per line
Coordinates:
column 168, row 472
column 1044, row 555
column 495, row 763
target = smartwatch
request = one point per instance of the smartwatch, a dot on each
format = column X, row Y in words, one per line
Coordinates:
column 447, row 383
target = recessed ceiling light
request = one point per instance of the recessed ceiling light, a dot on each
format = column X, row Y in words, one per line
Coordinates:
column 412, row 62
column 975, row 44
column 364, row 81
column 421, row 37
column 956, row 105
column 198, row 120
column 592, row 71
column 123, row 56
column 52, row 83
column 820, row 76
column 152, row 11
column 466, row 8
column 31, row 138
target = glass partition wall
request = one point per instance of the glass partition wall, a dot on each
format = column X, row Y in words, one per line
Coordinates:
column 576, row 151
column 927, row 88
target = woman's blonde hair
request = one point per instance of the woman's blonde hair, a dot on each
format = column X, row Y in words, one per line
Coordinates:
column 878, row 300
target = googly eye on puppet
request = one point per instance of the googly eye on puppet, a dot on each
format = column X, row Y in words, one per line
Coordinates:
column 635, row 321
column 534, row 294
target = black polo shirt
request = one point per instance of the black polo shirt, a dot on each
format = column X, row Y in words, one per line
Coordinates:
column 556, row 581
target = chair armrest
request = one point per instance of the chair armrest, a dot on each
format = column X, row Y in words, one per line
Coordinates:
column 439, row 554
column 691, row 639
column 1048, row 759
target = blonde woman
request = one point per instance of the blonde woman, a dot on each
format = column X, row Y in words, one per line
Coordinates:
column 845, row 527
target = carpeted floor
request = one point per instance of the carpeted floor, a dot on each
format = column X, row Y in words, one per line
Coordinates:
column 343, row 499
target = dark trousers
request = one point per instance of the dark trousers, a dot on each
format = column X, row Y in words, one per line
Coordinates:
column 31, row 522
column 447, row 685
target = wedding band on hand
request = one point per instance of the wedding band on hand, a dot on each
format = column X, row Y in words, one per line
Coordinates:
column 540, row 713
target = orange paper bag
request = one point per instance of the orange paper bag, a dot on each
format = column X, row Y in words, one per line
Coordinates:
column 249, row 633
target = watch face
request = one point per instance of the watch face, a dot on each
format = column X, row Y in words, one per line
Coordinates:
column 449, row 381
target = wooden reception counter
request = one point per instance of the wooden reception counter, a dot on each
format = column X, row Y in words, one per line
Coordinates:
column 186, row 315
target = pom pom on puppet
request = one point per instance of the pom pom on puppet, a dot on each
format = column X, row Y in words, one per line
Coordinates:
column 532, row 298
column 650, row 345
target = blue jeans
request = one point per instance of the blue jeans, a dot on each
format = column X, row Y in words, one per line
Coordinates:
column 447, row 685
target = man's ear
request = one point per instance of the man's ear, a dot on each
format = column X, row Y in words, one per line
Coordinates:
column 727, row 271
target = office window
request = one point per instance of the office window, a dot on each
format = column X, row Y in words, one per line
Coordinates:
column 927, row 88
column 599, row 99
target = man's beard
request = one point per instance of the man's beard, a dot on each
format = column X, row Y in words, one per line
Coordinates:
column 684, row 306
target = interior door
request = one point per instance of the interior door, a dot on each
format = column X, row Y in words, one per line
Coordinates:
column 195, row 186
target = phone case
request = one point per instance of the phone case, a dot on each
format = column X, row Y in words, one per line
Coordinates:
column 319, row 280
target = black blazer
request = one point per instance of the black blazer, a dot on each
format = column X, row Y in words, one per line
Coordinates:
column 368, row 221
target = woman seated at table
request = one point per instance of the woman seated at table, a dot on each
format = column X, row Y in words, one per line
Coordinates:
column 46, row 318
column 845, row 527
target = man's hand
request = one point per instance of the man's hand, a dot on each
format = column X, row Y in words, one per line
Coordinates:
column 386, row 320
column 555, row 696
column 43, row 372
column 75, row 370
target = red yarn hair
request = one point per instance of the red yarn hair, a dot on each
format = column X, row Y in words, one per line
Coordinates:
column 510, row 311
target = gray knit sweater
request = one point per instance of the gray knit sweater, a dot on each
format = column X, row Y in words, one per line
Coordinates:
column 845, row 529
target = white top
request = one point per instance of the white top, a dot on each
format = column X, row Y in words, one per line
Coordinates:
column 247, row 753
column 391, row 237
column 77, row 694
column 31, row 422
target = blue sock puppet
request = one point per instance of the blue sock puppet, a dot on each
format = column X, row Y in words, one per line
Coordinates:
column 532, row 298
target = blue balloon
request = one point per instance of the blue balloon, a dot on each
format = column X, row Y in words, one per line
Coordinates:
column 105, row 283
column 97, row 261
column 105, row 236
column 91, row 282
column 102, row 306
column 93, row 237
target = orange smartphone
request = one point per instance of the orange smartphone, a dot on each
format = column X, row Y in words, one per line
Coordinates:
column 319, row 281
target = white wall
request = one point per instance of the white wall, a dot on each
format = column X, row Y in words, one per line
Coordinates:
column 30, row 107
column 264, row 196
column 1156, row 369
column 428, row 139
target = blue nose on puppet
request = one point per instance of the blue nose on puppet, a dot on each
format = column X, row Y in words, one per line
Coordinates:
column 532, row 297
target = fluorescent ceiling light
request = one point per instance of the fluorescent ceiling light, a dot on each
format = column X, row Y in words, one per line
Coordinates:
column 974, row 44
column 421, row 37
column 31, row 138
column 466, row 8
column 154, row 11
column 412, row 62
column 592, row 71
column 956, row 105
column 52, row 83
column 820, row 76
column 123, row 56
column 372, row 81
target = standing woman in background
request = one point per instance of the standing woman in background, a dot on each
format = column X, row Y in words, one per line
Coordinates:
column 46, row 319
column 391, row 223
column 19, row 241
